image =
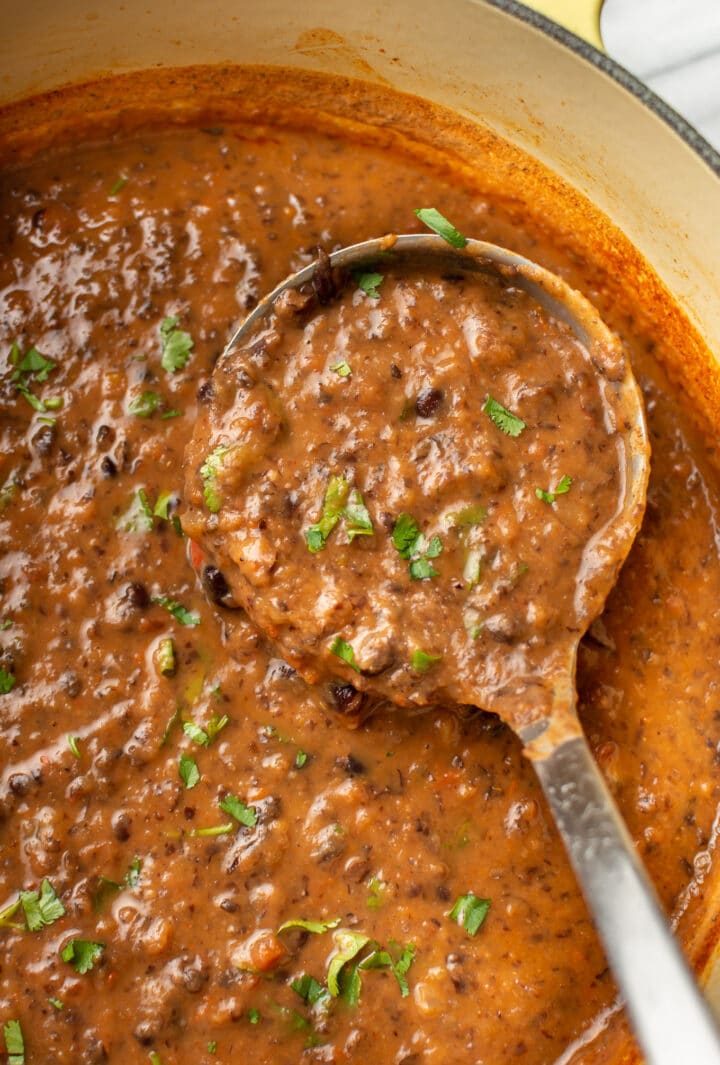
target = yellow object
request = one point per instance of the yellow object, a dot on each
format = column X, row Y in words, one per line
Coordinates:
column 581, row 17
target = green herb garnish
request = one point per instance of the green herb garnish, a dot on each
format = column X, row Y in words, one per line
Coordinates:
column 138, row 518
column 336, row 496
column 253, row 1016
column 56, row 1004
column 411, row 544
column 432, row 218
column 357, row 517
column 348, row 945
column 212, row 1047
column 469, row 912
column 300, row 758
column 14, row 1043
column 215, row 830
column 316, row 927
column 178, row 611
column 165, row 657
column 209, row 473
column 344, row 650
column 74, row 745
column 421, row 662
column 473, row 567
column 188, row 771
column 176, row 345
column 82, row 954
column 145, row 405
column 196, row 734
column 473, row 514
column 7, row 681
column 308, row 988
column 562, row 487
column 41, row 909
column 370, row 284
column 246, row 815
column 119, row 184
column 342, row 369
column 503, row 418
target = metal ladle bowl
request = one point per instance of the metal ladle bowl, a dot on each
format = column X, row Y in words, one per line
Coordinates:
column 671, row 1018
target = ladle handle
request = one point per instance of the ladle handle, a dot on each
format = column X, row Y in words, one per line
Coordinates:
column 671, row 1018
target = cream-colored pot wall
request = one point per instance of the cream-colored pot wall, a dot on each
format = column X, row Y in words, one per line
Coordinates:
column 466, row 54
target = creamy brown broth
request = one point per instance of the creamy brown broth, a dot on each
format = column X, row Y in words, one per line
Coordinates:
column 381, row 828
column 412, row 478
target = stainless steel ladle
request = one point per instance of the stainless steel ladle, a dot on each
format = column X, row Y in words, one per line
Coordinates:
column 672, row 1020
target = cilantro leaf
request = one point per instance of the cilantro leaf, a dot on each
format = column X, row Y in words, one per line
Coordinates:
column 469, row 912
column 253, row 1016
column 342, row 369
column 402, row 966
column 7, row 681
column 405, row 535
column 209, row 474
column 369, row 283
column 188, row 771
column 348, row 945
column 336, row 496
column 138, row 518
column 176, row 345
column 562, row 487
column 178, row 611
column 301, row 758
column 32, row 362
column 196, row 734
column 434, row 548
column 145, row 405
column 504, row 419
column 473, row 514
column 432, row 218
column 74, row 745
column 14, row 1043
column 316, row 927
column 308, row 988
column 357, row 517
column 119, row 184
column 344, row 650
column 82, row 954
column 43, row 908
column 421, row 662
column 215, row 725
column 246, row 815
column 421, row 570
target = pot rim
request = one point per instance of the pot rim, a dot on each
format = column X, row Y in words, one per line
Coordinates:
column 699, row 144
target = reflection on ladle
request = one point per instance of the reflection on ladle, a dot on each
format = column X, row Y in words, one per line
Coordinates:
column 524, row 673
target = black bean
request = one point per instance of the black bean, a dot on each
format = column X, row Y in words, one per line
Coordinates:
column 105, row 435
column 323, row 281
column 70, row 682
column 20, row 783
column 108, row 467
column 348, row 700
column 350, row 765
column 44, row 439
column 121, row 825
column 135, row 595
column 245, row 380
column 429, row 402
column 205, row 392
column 214, row 583
column 147, row 1031
column 395, row 370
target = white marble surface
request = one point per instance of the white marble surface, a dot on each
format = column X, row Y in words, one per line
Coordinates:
column 674, row 47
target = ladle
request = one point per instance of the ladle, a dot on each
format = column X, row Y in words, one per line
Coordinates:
column 671, row 1018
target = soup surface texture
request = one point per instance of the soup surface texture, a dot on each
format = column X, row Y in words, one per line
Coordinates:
column 199, row 860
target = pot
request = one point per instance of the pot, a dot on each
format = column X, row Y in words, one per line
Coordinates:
column 499, row 65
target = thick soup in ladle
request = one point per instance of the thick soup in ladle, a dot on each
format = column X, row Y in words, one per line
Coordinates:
column 419, row 467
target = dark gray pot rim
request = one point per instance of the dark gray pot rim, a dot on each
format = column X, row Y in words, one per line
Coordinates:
column 619, row 74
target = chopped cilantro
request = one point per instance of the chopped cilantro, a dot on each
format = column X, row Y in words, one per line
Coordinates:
column 209, row 474
column 336, row 496
column 188, row 771
column 347, row 946
column 173, row 720
column 316, row 927
column 421, row 569
column 503, row 418
column 300, row 758
column 562, row 487
column 344, row 650
column 432, row 218
column 308, row 988
column 178, row 611
column 473, row 514
column 376, row 889
column 342, row 369
column 32, row 362
column 357, row 517
column 82, row 954
column 171, row 414
column 253, row 1016
column 246, row 815
column 74, row 745
column 14, row 1043
column 155, row 1058
column 405, row 535
column 6, row 624
column 145, row 405
column 410, row 544
column 421, row 662
column 212, row 1047
column 162, row 506
column 41, row 909
column 138, row 518
column 469, row 912
column 215, row 725
column 369, row 283
column 56, row 1004
column 473, row 567
column 215, row 830
column 132, row 877
column 119, row 184
column 402, row 966
column 196, row 734
column 176, row 345
column 7, row 681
